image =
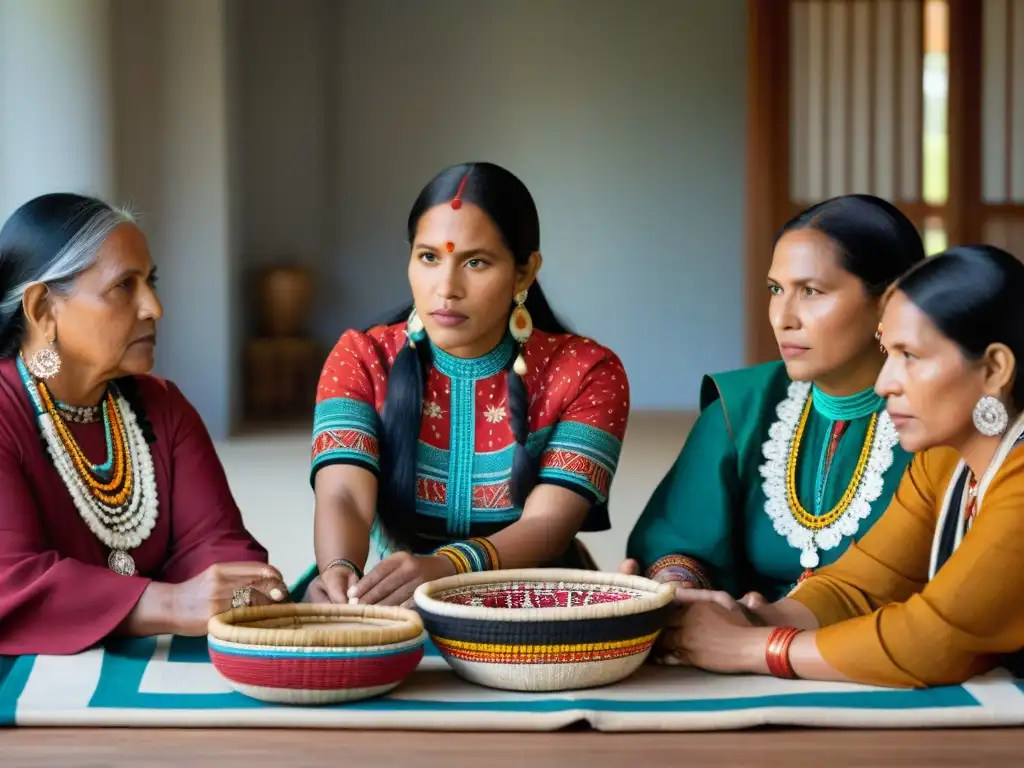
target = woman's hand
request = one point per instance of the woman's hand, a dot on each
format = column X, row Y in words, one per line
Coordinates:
column 753, row 601
column 211, row 592
column 716, row 633
column 393, row 580
column 632, row 568
column 670, row 648
column 665, row 647
column 333, row 585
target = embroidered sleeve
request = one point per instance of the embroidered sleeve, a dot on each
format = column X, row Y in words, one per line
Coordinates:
column 345, row 420
column 680, row 568
column 583, row 450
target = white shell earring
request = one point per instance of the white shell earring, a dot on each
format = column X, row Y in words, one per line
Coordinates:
column 990, row 416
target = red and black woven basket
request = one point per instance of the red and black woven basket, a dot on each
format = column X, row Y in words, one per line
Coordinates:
column 544, row 629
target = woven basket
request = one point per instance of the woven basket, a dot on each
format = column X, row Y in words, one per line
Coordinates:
column 544, row 629
column 301, row 653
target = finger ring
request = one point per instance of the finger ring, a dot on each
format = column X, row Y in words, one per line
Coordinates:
column 241, row 597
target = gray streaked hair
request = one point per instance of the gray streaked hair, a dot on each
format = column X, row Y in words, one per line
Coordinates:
column 41, row 223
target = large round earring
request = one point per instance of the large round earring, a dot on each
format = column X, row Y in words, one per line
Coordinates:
column 414, row 328
column 44, row 364
column 990, row 416
column 520, row 325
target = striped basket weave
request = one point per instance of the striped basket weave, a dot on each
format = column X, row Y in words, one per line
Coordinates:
column 544, row 629
column 315, row 654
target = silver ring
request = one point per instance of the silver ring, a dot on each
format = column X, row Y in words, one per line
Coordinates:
column 241, row 598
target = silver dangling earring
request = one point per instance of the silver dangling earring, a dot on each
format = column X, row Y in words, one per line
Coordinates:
column 414, row 328
column 520, row 325
column 990, row 416
column 44, row 364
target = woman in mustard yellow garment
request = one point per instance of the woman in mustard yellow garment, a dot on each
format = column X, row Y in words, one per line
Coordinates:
column 931, row 595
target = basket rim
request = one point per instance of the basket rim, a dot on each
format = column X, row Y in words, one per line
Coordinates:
column 405, row 625
column 660, row 595
column 314, row 651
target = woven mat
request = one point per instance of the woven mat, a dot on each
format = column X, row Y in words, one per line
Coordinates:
column 169, row 682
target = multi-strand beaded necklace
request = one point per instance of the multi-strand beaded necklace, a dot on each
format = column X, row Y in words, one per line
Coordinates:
column 116, row 499
column 812, row 530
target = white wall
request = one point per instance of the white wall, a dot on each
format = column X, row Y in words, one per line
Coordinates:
column 173, row 109
column 55, row 100
column 285, row 134
column 247, row 131
column 626, row 121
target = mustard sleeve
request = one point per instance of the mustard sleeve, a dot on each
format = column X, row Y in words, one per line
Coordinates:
column 960, row 624
column 889, row 563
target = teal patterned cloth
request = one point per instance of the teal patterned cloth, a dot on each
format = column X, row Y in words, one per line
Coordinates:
column 170, row 682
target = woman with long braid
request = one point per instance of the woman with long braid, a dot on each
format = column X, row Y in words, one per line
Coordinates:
column 473, row 432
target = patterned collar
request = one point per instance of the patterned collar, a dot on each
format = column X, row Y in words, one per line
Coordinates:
column 474, row 368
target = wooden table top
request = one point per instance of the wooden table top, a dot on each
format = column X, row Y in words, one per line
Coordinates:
column 255, row 748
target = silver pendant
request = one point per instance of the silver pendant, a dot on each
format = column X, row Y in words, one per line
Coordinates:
column 121, row 563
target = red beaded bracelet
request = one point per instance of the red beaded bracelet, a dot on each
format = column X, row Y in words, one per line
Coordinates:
column 777, row 652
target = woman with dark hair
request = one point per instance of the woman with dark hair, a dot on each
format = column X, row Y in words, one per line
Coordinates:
column 474, row 431
column 115, row 514
column 790, row 461
column 932, row 594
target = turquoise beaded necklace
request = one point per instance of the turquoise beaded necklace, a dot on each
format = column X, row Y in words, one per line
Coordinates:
column 855, row 406
column 839, row 411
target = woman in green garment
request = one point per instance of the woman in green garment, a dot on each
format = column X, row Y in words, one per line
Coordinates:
column 792, row 460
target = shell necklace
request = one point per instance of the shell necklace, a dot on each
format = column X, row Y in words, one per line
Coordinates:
column 117, row 500
column 804, row 530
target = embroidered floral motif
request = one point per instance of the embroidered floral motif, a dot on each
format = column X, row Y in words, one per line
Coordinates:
column 432, row 410
column 495, row 414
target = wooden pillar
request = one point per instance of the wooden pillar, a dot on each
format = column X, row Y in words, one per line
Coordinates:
column 964, row 205
column 767, row 160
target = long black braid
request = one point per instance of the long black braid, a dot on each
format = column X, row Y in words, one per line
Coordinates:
column 509, row 204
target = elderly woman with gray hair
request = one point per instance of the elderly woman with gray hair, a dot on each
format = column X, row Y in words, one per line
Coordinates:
column 115, row 513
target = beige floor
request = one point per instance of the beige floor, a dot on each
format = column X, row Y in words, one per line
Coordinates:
column 268, row 474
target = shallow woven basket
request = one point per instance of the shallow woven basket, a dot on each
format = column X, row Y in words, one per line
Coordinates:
column 300, row 653
column 544, row 629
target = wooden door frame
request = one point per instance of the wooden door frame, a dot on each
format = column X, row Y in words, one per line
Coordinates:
column 767, row 168
column 767, row 160
column 964, row 205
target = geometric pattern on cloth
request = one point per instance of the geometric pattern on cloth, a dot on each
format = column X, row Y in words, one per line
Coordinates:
column 170, row 682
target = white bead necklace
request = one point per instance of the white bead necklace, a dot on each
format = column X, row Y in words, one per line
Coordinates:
column 777, row 449
column 120, row 528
